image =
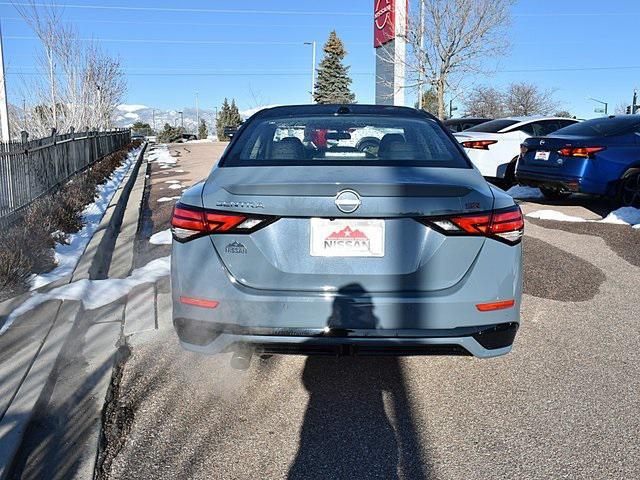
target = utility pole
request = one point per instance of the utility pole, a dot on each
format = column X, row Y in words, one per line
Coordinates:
column 4, row 110
column 197, row 112
column 153, row 114
column 181, row 119
column 634, row 107
column 421, row 53
column 451, row 108
column 313, row 68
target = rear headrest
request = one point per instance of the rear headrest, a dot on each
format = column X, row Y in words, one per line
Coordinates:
column 390, row 144
column 289, row 148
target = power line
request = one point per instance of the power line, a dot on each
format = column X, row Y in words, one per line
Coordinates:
column 196, row 24
column 179, row 42
column 185, row 10
column 197, row 74
column 292, row 73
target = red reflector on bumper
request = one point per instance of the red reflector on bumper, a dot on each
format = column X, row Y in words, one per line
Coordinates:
column 488, row 307
column 199, row 302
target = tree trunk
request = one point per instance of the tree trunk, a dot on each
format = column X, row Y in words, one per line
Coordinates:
column 440, row 98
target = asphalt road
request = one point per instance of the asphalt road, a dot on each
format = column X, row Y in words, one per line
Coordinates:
column 563, row 404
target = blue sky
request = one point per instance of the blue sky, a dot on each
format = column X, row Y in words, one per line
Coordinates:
column 259, row 58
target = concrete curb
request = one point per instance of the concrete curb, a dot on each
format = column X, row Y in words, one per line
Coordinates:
column 122, row 253
column 38, row 379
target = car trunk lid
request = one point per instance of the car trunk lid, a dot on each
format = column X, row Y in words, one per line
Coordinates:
column 398, row 253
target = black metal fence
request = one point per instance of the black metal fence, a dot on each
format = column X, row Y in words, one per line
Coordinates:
column 31, row 168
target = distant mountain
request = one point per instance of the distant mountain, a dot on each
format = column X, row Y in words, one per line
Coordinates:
column 127, row 115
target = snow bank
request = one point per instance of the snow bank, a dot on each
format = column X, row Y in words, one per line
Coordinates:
column 167, row 199
column 67, row 256
column 624, row 216
column 521, row 192
column 621, row 216
column 95, row 293
column 554, row 215
column 162, row 157
column 161, row 238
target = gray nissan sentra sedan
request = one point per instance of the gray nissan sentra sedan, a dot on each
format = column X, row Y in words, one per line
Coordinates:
column 346, row 229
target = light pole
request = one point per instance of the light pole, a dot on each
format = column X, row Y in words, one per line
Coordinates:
column 197, row 111
column 313, row 68
column 599, row 110
column 451, row 108
column 181, row 120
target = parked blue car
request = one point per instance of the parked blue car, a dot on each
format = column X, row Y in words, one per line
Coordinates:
column 599, row 157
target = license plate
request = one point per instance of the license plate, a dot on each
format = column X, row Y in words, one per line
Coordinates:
column 347, row 238
column 541, row 155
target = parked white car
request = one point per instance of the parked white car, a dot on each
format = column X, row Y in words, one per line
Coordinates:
column 494, row 146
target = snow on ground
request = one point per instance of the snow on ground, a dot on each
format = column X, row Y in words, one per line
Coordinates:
column 95, row 293
column 167, row 199
column 172, row 181
column 162, row 157
column 554, row 215
column 67, row 256
column 621, row 216
column 521, row 192
column 175, row 186
column 161, row 238
column 624, row 216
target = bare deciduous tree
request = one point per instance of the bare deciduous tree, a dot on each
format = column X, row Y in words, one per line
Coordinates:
column 486, row 102
column 524, row 99
column 79, row 84
column 454, row 40
column 519, row 99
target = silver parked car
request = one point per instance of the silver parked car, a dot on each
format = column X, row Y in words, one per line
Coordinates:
column 299, row 242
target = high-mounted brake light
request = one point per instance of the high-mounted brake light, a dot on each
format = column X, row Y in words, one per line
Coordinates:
column 479, row 144
column 584, row 152
column 505, row 225
column 190, row 222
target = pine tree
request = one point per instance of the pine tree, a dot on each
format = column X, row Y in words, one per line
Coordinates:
column 235, row 119
column 333, row 77
column 203, row 131
column 222, row 119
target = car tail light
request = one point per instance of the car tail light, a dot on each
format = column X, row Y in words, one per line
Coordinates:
column 584, row 152
column 479, row 144
column 189, row 222
column 506, row 225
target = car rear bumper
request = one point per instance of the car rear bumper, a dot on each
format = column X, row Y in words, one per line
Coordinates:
column 358, row 318
column 556, row 182
column 482, row 341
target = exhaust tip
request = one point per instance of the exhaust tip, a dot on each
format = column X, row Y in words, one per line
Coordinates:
column 241, row 359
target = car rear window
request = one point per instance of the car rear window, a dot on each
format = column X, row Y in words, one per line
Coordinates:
column 601, row 126
column 492, row 126
column 343, row 140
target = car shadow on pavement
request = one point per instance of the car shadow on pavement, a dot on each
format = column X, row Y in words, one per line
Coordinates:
column 358, row 422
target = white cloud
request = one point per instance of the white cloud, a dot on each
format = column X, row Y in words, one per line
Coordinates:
column 131, row 108
column 247, row 113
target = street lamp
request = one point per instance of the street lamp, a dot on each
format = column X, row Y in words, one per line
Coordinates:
column 313, row 67
column 181, row 120
column 600, row 110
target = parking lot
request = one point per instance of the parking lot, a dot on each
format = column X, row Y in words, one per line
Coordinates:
column 563, row 404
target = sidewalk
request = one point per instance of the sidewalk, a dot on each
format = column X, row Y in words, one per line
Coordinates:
column 56, row 360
